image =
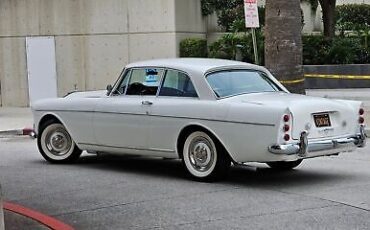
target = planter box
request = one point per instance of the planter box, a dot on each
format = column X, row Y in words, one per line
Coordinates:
column 337, row 76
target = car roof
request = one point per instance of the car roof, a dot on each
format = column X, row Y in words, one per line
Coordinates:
column 200, row 65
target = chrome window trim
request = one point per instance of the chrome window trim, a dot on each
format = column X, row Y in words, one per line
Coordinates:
column 222, row 69
column 180, row 71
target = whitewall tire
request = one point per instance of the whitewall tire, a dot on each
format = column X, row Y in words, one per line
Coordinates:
column 204, row 158
column 56, row 145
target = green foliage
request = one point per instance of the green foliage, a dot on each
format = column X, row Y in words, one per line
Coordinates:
column 227, row 18
column 353, row 16
column 318, row 50
column 230, row 44
column 343, row 51
column 225, row 47
column 229, row 13
column 210, row 6
column 315, row 49
column 193, row 47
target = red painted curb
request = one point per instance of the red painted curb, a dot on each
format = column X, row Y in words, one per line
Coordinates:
column 37, row 216
column 27, row 131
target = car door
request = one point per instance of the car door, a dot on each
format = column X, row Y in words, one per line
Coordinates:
column 121, row 120
column 171, row 110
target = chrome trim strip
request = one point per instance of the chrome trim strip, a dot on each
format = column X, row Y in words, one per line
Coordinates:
column 164, row 116
column 131, row 148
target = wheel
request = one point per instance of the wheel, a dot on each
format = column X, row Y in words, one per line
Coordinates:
column 56, row 145
column 284, row 165
column 204, row 158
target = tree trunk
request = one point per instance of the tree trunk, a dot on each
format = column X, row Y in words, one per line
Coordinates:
column 283, row 43
column 328, row 17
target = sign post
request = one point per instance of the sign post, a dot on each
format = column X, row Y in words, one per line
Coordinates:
column 252, row 21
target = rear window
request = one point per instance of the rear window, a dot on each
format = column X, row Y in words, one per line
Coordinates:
column 235, row 82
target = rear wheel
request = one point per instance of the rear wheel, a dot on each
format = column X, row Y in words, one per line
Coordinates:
column 55, row 143
column 284, row 165
column 204, row 158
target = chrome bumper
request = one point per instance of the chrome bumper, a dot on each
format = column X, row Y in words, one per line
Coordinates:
column 306, row 148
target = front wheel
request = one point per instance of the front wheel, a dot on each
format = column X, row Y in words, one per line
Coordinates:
column 56, row 145
column 284, row 165
column 204, row 158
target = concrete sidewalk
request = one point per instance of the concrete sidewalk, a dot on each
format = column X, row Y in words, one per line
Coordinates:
column 15, row 121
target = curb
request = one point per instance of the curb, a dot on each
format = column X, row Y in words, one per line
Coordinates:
column 39, row 217
column 2, row 225
column 16, row 132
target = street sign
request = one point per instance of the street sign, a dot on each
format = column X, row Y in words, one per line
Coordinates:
column 251, row 14
column 252, row 21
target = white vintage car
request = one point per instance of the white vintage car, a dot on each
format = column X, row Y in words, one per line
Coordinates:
column 207, row 112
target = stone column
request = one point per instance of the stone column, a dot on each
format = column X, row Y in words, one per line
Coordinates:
column 1, row 211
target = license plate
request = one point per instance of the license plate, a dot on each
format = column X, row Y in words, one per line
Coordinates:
column 322, row 120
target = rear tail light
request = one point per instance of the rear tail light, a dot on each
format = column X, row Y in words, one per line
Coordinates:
column 286, row 127
column 286, row 118
column 361, row 118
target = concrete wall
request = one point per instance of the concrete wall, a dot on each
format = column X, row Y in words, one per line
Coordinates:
column 94, row 39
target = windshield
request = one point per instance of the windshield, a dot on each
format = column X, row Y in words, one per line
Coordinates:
column 235, row 82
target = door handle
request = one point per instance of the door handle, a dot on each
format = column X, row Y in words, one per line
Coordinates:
column 147, row 103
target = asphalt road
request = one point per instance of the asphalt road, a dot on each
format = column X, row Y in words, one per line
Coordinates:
column 141, row 193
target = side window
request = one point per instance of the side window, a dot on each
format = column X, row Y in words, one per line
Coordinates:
column 177, row 84
column 144, row 81
column 122, row 85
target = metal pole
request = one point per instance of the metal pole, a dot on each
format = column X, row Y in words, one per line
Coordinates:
column 255, row 46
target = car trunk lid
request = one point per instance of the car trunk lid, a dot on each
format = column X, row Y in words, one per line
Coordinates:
column 321, row 117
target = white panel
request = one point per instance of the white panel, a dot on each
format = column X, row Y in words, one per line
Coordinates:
column 42, row 76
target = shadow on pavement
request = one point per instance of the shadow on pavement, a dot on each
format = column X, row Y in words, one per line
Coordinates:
column 261, row 176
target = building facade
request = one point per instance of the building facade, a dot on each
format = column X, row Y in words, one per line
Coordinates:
column 93, row 39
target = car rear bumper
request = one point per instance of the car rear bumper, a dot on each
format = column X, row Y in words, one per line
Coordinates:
column 307, row 148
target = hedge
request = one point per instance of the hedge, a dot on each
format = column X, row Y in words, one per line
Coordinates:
column 318, row 50
column 193, row 47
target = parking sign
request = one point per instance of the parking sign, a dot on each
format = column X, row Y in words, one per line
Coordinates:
column 251, row 14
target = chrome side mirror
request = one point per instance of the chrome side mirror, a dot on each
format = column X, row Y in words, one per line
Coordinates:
column 109, row 89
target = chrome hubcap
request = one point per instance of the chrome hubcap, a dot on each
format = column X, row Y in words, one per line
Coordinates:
column 58, row 142
column 201, row 154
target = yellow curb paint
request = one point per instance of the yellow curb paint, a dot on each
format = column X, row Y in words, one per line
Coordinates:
column 336, row 76
column 291, row 81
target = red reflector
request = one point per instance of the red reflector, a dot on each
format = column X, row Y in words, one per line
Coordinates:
column 286, row 137
column 361, row 111
column 286, row 118
column 361, row 120
column 286, row 128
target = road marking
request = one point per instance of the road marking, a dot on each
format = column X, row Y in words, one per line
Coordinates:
column 37, row 216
